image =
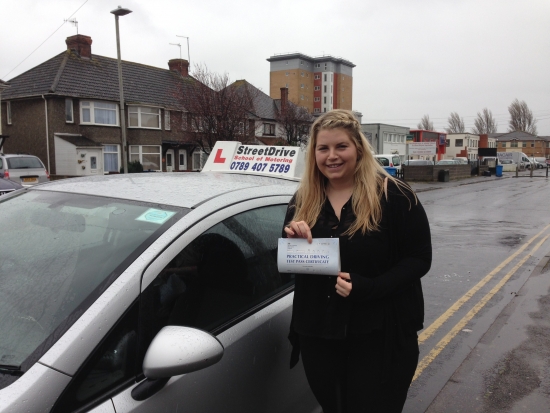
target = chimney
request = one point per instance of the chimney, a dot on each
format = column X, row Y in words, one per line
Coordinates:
column 81, row 45
column 284, row 98
column 179, row 65
column 484, row 140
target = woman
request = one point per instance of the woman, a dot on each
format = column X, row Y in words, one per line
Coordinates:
column 357, row 332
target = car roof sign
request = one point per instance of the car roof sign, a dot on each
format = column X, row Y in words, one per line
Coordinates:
column 285, row 162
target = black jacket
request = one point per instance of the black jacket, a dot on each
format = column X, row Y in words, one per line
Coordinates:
column 385, row 268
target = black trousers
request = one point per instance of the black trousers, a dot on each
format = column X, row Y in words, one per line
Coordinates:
column 352, row 376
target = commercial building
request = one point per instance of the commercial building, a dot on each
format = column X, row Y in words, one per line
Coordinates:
column 318, row 83
column 387, row 138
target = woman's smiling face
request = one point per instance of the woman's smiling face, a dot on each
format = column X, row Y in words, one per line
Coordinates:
column 336, row 155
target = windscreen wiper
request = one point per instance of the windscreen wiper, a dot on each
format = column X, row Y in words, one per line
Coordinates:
column 11, row 369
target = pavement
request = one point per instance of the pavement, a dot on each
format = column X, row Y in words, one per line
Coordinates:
column 421, row 186
column 509, row 368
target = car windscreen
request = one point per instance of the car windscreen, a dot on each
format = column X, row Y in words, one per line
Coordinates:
column 24, row 162
column 59, row 253
column 383, row 161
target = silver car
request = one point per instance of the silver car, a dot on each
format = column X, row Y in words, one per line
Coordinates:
column 147, row 293
column 26, row 170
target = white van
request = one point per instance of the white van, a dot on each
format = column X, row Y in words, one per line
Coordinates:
column 390, row 159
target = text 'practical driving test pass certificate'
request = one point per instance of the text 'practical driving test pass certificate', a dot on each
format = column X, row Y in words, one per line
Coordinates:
column 296, row 255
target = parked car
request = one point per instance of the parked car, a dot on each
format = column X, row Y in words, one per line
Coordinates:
column 149, row 294
column 446, row 162
column 461, row 160
column 413, row 162
column 391, row 160
column 26, row 170
column 7, row 186
column 535, row 164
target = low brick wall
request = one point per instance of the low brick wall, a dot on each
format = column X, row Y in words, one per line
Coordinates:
column 455, row 171
column 418, row 172
column 431, row 172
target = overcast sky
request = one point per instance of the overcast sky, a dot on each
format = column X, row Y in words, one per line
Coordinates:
column 412, row 57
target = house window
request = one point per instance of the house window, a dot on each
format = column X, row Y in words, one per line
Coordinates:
column 325, row 77
column 317, row 77
column 447, row 143
column 286, row 74
column 326, row 65
column 111, row 158
column 302, row 74
column 317, row 88
column 301, row 62
column 69, row 118
column 166, row 119
column 301, row 85
column 98, row 113
column 8, row 112
column 317, row 110
column 199, row 158
column 143, row 117
column 325, row 88
column 532, row 144
column 317, row 99
column 317, row 64
column 182, row 160
column 503, row 144
column 514, row 144
column 524, row 144
column 269, row 129
column 325, row 99
column 459, row 143
column 148, row 155
column 301, row 97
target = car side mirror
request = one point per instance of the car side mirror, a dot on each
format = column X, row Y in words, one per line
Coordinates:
column 176, row 350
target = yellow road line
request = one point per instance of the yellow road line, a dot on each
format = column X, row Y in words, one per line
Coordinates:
column 425, row 362
column 432, row 328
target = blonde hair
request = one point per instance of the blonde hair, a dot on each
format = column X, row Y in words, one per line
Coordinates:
column 368, row 179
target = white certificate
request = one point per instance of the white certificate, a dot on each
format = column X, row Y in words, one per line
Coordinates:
column 296, row 255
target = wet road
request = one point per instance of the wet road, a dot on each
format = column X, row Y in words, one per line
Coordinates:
column 490, row 238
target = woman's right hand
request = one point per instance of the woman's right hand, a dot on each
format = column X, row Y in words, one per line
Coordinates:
column 298, row 229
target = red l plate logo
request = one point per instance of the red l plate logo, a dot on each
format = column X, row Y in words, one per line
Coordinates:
column 218, row 158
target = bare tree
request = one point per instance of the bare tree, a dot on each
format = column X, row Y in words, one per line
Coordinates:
column 484, row 123
column 456, row 124
column 425, row 123
column 521, row 118
column 295, row 121
column 216, row 109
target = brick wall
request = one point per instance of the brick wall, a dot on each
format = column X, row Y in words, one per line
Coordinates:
column 431, row 172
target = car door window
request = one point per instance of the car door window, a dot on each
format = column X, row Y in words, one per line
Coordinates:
column 221, row 275
column 113, row 365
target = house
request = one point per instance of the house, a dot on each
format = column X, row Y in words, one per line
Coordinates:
column 66, row 111
column 518, row 141
column 276, row 121
column 3, row 85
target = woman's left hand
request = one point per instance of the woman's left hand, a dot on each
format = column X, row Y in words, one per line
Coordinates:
column 343, row 284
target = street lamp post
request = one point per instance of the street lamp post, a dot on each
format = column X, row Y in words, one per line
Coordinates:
column 121, row 12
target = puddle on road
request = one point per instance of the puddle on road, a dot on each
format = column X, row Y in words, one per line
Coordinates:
column 511, row 240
